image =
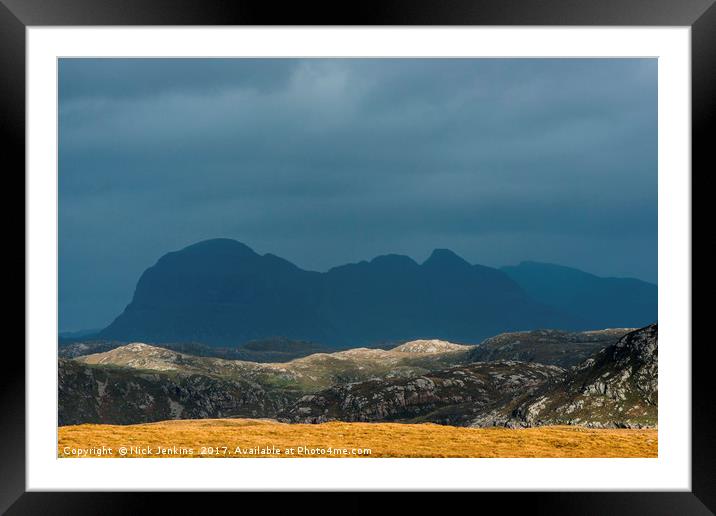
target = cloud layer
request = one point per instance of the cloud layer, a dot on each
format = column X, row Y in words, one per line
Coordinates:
column 327, row 161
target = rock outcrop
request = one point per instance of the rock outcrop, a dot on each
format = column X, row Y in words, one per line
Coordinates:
column 617, row 387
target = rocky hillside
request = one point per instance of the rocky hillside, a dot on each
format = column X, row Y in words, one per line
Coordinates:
column 617, row 387
column 139, row 383
column 80, row 348
column 450, row 396
column 556, row 347
column 433, row 381
column 97, row 394
column 311, row 373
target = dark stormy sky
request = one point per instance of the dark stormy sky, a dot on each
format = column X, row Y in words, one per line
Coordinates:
column 325, row 162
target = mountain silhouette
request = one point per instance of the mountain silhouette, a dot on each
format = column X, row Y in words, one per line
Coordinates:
column 221, row 292
column 597, row 302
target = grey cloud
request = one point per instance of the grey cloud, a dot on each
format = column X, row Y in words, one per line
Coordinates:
column 115, row 79
column 328, row 161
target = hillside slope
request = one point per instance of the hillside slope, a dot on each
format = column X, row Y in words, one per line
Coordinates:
column 420, row 381
column 138, row 383
column 555, row 347
column 449, row 396
column 92, row 394
column 617, row 387
column 594, row 301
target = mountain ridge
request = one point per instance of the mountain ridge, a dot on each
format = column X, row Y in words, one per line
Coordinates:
column 599, row 302
column 220, row 292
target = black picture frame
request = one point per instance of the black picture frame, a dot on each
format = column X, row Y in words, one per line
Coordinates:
column 16, row 15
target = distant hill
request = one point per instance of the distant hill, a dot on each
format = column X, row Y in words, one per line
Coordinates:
column 222, row 293
column 277, row 349
column 305, row 374
column 65, row 338
column 594, row 301
column 283, row 345
column 72, row 349
column 430, row 346
column 555, row 347
column 79, row 334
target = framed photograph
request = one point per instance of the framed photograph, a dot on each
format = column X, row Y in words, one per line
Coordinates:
column 438, row 242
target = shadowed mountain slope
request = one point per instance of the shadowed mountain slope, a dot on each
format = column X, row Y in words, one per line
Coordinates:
column 220, row 292
column 594, row 301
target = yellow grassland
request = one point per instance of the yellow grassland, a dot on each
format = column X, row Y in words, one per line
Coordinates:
column 262, row 438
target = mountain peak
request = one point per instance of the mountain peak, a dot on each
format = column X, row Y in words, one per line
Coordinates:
column 398, row 260
column 445, row 257
column 219, row 245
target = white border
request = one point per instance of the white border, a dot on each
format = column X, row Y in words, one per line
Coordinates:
column 670, row 471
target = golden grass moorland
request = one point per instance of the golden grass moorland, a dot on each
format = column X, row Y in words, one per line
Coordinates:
column 246, row 438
